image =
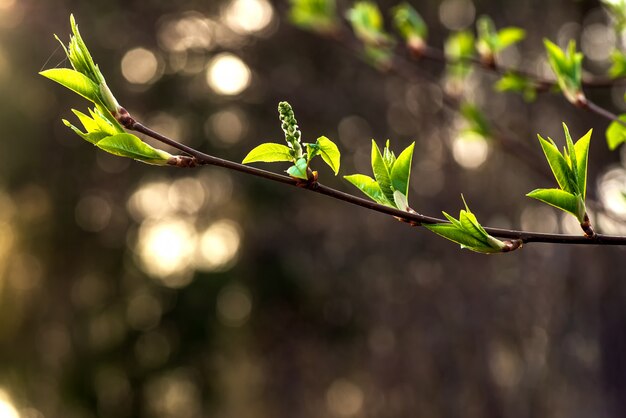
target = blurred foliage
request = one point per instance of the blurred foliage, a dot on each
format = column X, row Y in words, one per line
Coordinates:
column 137, row 291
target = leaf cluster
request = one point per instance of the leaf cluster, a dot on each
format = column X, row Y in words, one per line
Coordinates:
column 567, row 66
column 467, row 232
column 570, row 170
column 296, row 152
column 491, row 41
column 315, row 15
column 390, row 185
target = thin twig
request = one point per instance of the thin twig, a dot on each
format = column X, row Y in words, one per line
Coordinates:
column 413, row 218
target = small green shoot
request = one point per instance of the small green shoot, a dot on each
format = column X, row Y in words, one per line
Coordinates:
column 570, row 171
column 86, row 79
column 411, row 26
column 512, row 82
column 296, row 152
column 616, row 133
column 107, row 134
column 491, row 42
column 618, row 64
column 467, row 232
column 459, row 48
column 567, row 66
column 314, row 15
column 390, row 185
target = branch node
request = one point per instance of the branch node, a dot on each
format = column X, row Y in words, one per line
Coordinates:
column 183, row 161
column 125, row 119
column 587, row 228
column 512, row 245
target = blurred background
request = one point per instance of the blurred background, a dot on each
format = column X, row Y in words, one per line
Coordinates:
column 130, row 290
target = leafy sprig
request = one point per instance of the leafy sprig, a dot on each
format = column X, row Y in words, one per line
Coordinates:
column 570, row 171
column 491, row 42
column 567, row 66
column 411, row 26
column 469, row 233
column 296, row 152
column 390, row 185
column 314, row 15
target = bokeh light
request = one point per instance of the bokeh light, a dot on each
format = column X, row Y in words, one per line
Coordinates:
column 218, row 246
column 234, row 305
column 191, row 30
column 248, row 16
column 344, row 398
column 140, row 66
column 457, row 14
column 7, row 410
column 227, row 74
column 470, row 150
column 166, row 247
column 227, row 127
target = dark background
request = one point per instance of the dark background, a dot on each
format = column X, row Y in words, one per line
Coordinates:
column 132, row 290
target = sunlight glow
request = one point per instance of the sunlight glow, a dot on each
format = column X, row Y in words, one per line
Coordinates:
column 344, row 398
column 218, row 246
column 227, row 74
column 248, row 16
column 139, row 66
column 166, row 247
column 470, row 150
column 234, row 305
column 7, row 410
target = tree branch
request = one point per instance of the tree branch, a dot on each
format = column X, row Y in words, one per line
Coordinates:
column 413, row 218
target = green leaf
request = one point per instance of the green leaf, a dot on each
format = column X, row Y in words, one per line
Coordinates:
column 558, row 165
column 299, row 169
column 105, row 124
column 330, row 153
column 509, row 36
column 519, row 84
column 400, row 200
column 562, row 200
column 368, row 185
column 381, row 173
column 618, row 67
column 582, row 156
column 74, row 81
column 89, row 124
column 367, row 23
column 401, row 171
column 269, row 153
column 462, row 237
column 388, row 157
column 567, row 66
column 93, row 137
column 409, row 23
column 315, row 15
column 476, row 121
column 616, row 133
column 127, row 145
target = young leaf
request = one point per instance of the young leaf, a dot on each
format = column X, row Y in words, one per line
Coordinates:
column 410, row 25
column 367, row 23
column 368, row 185
column 94, row 137
column 558, row 165
column 519, row 84
column 582, row 155
column 400, row 200
column 509, row 36
column 330, row 153
column 562, row 200
column 127, row 145
column 89, row 124
column 299, row 169
column 269, row 153
column 463, row 238
column 381, row 172
column 567, row 66
column 401, row 170
column 74, row 81
column 616, row 133
column 618, row 61
column 316, row 15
